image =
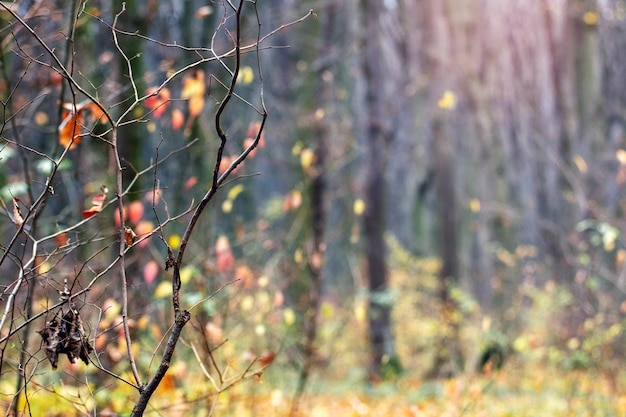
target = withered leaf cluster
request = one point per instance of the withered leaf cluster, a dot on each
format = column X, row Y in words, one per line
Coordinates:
column 66, row 336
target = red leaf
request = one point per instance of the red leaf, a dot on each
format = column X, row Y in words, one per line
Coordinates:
column 158, row 102
column 135, row 212
column 96, row 203
column 267, row 357
column 62, row 240
column 191, row 181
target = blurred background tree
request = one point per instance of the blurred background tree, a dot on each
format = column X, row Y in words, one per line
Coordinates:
column 440, row 179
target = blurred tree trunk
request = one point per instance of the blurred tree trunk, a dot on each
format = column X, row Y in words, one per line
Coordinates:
column 449, row 358
column 612, row 44
column 380, row 66
column 612, row 40
column 438, row 20
column 318, row 195
column 136, row 18
column 409, row 149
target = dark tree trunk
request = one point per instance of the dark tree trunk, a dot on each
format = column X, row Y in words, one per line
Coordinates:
column 380, row 109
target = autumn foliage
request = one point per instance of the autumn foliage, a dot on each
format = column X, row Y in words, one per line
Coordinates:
column 74, row 124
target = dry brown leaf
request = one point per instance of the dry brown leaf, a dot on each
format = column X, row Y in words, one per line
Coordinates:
column 17, row 212
column 129, row 236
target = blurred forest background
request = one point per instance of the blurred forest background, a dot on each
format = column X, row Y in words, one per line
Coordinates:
column 432, row 223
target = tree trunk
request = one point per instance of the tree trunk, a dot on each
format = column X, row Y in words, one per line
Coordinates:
column 439, row 18
column 380, row 55
column 317, row 192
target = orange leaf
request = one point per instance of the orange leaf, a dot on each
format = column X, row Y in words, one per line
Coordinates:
column 144, row 228
column 245, row 275
column 253, row 131
column 70, row 129
column 96, row 112
column 74, row 121
column 214, row 333
column 178, row 119
column 225, row 163
column 247, row 142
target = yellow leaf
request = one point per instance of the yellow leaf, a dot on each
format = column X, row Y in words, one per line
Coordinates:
column 327, row 310
column 447, row 100
column 163, row 290
column 259, row 329
column 196, row 104
column 187, row 273
column 111, row 309
column 360, row 310
column 474, row 205
column 263, row 281
column 580, row 164
column 247, row 303
column 277, row 399
column 590, row 18
column 307, row 157
column 573, row 343
column 521, row 344
column 298, row 257
column 289, row 316
column 44, row 268
column 234, row 192
column 193, row 85
column 143, row 322
column 41, row 118
column 359, row 206
column 174, row 242
column 246, row 75
column 297, row 148
column 227, row 206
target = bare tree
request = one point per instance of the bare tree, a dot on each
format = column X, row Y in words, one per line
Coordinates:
column 65, row 259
